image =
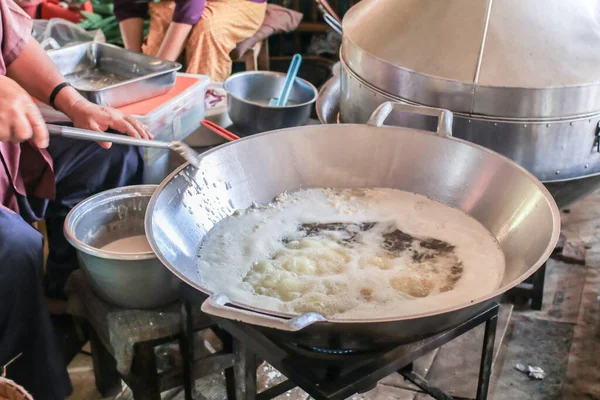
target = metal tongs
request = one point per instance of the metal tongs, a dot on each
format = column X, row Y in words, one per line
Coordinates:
column 180, row 148
column 3, row 367
column 330, row 17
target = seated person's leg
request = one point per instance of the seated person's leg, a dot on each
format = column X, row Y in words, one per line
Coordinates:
column 82, row 169
column 161, row 15
column 25, row 326
column 223, row 25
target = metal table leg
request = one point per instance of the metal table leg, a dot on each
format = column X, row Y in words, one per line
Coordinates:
column 485, row 367
column 244, row 372
column 487, row 357
column 537, row 296
column 186, row 345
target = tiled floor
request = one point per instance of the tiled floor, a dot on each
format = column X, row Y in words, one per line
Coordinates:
column 563, row 339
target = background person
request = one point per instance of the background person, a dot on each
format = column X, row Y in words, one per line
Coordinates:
column 208, row 30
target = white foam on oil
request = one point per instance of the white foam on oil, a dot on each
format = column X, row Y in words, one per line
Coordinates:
column 260, row 257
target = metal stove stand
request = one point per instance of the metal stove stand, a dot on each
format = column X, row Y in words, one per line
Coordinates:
column 323, row 374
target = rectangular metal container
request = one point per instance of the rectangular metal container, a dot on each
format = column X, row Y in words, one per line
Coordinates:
column 111, row 76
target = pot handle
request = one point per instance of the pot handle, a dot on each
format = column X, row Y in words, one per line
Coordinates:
column 216, row 305
column 444, row 126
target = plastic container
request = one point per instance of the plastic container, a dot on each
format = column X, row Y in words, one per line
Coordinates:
column 171, row 116
column 53, row 9
column 57, row 33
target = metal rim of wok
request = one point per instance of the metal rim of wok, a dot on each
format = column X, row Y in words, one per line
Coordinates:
column 96, row 201
column 439, row 311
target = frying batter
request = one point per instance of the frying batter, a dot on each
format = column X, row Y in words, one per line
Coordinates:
column 351, row 253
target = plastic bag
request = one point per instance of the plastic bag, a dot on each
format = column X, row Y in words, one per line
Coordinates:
column 57, row 33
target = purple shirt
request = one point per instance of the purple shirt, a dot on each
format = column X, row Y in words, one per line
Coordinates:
column 186, row 11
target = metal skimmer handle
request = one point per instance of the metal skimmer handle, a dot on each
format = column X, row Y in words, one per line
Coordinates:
column 84, row 134
column 381, row 114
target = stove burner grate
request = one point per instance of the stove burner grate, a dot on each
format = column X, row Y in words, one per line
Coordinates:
column 325, row 373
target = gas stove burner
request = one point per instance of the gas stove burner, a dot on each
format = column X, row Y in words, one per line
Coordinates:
column 336, row 352
column 324, row 369
column 327, row 354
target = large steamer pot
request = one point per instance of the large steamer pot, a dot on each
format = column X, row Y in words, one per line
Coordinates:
column 552, row 149
column 501, row 58
column 564, row 191
column 519, row 77
column 510, row 202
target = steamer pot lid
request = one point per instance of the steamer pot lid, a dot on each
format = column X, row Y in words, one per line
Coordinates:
column 478, row 52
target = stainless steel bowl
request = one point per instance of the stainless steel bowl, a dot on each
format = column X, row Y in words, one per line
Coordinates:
column 248, row 95
column 124, row 280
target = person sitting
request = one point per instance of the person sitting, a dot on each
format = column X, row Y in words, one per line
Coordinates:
column 44, row 178
column 208, row 30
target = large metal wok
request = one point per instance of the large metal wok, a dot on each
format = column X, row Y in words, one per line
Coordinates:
column 503, row 196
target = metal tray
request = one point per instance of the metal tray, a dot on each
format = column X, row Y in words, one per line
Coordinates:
column 112, row 76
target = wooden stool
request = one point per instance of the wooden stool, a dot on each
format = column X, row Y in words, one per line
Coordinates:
column 123, row 343
column 256, row 58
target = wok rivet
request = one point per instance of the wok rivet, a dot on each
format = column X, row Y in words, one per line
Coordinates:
column 570, row 123
column 495, row 124
column 547, row 125
column 557, row 172
column 586, row 165
column 525, row 126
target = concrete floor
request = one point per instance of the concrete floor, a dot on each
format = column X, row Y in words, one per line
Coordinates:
column 563, row 339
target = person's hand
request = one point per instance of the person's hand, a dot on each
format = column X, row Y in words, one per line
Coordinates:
column 86, row 115
column 20, row 118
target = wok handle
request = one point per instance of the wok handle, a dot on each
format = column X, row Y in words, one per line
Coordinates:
column 216, row 305
column 381, row 114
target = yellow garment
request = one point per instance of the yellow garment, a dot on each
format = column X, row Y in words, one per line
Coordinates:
column 222, row 26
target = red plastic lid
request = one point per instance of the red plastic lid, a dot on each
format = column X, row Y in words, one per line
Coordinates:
column 182, row 83
column 51, row 9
